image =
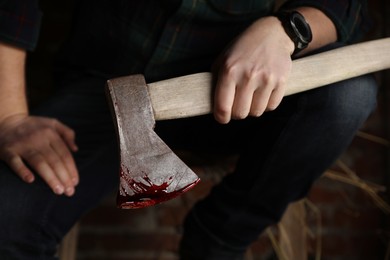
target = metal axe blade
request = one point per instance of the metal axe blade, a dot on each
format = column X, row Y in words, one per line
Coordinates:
column 150, row 172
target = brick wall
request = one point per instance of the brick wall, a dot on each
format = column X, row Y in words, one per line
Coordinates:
column 352, row 226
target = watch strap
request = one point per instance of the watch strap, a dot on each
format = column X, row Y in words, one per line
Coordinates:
column 296, row 28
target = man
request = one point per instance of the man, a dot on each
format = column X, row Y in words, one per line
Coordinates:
column 60, row 159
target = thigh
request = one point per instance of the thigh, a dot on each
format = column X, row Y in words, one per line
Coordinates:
column 281, row 155
column 32, row 218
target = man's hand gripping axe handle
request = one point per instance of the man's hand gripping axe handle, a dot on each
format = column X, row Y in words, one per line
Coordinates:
column 150, row 171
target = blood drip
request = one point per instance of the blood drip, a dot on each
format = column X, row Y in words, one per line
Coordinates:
column 147, row 195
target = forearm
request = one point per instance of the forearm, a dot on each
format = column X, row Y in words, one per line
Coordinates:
column 32, row 145
column 12, row 81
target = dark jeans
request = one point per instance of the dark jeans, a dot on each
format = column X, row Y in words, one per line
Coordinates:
column 281, row 154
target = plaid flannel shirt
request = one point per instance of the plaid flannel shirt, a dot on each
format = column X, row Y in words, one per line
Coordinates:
column 20, row 22
column 164, row 37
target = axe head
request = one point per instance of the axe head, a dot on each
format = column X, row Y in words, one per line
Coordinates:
column 150, row 172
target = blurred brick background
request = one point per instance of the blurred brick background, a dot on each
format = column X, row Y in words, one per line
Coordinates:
column 352, row 226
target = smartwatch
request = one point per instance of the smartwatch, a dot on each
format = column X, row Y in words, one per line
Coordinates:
column 296, row 28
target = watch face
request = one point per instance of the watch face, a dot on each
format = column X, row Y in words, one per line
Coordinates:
column 301, row 27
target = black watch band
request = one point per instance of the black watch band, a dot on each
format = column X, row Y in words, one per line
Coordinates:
column 296, row 28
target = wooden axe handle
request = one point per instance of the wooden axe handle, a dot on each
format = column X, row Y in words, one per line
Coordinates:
column 192, row 95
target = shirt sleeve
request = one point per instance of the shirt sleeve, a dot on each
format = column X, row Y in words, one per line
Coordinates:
column 20, row 22
column 349, row 16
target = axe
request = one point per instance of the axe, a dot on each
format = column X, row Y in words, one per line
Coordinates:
column 150, row 172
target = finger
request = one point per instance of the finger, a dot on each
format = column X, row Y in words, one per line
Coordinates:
column 17, row 165
column 223, row 101
column 260, row 99
column 40, row 165
column 275, row 98
column 243, row 99
column 66, row 157
column 67, row 134
column 59, row 169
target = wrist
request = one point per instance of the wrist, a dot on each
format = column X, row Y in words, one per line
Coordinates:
column 13, row 117
column 285, row 39
column 13, row 102
column 296, row 28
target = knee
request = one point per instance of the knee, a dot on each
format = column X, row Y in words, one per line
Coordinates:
column 347, row 104
column 24, row 233
column 17, row 205
column 22, row 214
